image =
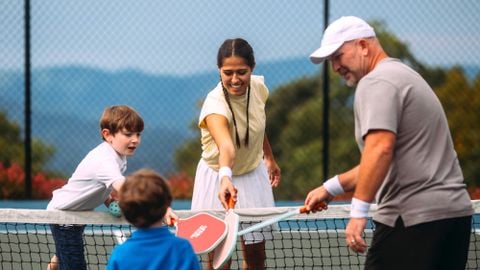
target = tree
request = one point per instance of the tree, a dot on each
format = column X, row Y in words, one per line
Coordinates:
column 12, row 146
column 461, row 101
column 12, row 175
column 10, row 141
column 186, row 156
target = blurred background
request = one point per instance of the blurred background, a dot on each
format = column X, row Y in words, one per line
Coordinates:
column 63, row 61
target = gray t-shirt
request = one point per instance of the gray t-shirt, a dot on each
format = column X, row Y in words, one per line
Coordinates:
column 424, row 182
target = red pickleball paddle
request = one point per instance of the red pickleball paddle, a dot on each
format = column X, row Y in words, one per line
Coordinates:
column 203, row 230
column 224, row 250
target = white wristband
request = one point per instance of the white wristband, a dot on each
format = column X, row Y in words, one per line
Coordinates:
column 333, row 186
column 224, row 171
column 359, row 208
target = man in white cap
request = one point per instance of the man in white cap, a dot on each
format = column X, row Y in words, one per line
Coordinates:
column 408, row 163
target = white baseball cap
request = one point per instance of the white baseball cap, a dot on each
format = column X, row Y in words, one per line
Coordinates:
column 338, row 32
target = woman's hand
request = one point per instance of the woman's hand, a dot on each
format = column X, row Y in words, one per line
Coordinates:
column 274, row 172
column 227, row 190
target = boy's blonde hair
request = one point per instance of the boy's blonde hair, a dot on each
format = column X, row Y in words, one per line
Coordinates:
column 118, row 117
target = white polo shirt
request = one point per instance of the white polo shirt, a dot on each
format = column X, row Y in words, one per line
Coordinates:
column 91, row 183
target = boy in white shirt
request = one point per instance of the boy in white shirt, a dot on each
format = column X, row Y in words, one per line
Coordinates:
column 95, row 181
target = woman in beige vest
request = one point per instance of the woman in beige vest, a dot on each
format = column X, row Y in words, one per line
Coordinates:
column 237, row 160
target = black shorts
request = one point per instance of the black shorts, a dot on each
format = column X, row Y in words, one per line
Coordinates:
column 436, row 245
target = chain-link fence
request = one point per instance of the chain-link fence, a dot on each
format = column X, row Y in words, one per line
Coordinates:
column 160, row 58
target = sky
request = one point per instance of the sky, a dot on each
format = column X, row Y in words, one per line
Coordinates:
column 182, row 36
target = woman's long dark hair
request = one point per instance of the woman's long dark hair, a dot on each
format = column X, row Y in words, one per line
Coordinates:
column 236, row 47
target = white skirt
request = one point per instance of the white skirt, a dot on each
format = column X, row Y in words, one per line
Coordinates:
column 253, row 191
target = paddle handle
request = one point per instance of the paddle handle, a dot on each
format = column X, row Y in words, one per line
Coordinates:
column 303, row 210
column 273, row 220
column 173, row 223
column 231, row 203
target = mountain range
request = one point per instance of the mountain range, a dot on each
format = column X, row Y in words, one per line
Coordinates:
column 67, row 102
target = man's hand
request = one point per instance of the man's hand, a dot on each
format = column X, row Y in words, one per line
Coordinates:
column 353, row 234
column 318, row 199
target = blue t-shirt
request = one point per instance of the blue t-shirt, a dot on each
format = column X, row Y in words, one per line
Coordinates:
column 153, row 248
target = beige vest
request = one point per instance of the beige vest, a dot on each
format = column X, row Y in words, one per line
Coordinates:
column 246, row 159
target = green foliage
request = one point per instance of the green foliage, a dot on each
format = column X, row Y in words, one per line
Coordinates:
column 296, row 111
column 186, row 157
column 12, row 176
column 41, row 154
column 461, row 100
column 10, row 142
column 12, row 146
column 284, row 100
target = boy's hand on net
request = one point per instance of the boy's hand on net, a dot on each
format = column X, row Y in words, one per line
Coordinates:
column 170, row 217
column 108, row 201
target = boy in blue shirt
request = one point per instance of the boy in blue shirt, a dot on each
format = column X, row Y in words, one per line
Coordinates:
column 144, row 199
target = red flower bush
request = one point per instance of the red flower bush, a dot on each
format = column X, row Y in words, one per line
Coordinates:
column 181, row 185
column 474, row 193
column 12, row 183
column 43, row 186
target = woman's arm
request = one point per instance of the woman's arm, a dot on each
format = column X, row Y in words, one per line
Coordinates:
column 217, row 125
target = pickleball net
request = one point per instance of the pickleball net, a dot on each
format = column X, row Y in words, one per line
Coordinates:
column 313, row 241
